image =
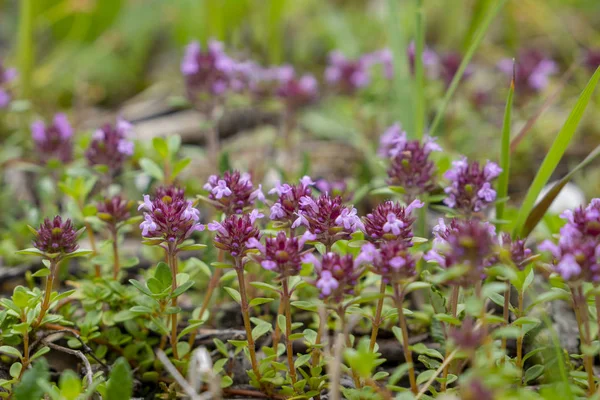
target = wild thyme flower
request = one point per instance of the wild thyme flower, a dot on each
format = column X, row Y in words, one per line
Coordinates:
column 110, row 145
column 410, row 165
column 467, row 336
column 7, row 75
column 53, row 141
column 392, row 260
column 114, row 210
column 470, row 187
column 280, row 254
column 56, row 236
column 346, row 75
column 327, row 218
column 448, row 66
column 532, row 72
column 288, row 203
column 577, row 253
column 391, row 221
column 429, row 57
column 169, row 216
column 474, row 389
column 336, row 275
column 383, row 57
column 237, row 233
column 519, row 254
column 466, row 243
column 234, row 192
column 297, row 92
column 592, row 59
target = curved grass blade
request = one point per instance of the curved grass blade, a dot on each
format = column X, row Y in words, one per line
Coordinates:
column 542, row 206
column 463, row 65
column 420, row 111
column 555, row 153
column 502, row 188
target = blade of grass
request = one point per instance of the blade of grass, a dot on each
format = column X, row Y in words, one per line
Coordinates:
column 555, row 153
column 275, row 30
column 25, row 46
column 502, row 188
column 420, row 111
column 463, row 65
column 542, row 206
column 402, row 79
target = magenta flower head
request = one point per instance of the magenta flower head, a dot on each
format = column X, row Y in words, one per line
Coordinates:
column 53, row 141
column 115, row 210
column 346, row 75
column 110, row 145
column 392, row 260
column 468, row 336
column 390, row 221
column 429, row 57
column 470, row 187
column 207, row 72
column 383, row 57
column 287, row 205
column 449, row 64
column 336, row 275
column 7, row 75
column 334, row 188
column 591, row 59
column 519, row 254
column 466, row 243
column 280, row 254
column 533, row 70
column 327, row 218
column 169, row 217
column 56, row 236
column 237, row 233
column 233, row 192
column 577, row 253
column 297, row 92
column 410, row 165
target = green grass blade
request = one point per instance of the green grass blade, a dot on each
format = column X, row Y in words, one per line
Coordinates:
column 402, row 80
column 555, row 153
column 502, row 188
column 463, row 65
column 25, row 46
column 420, row 110
column 542, row 206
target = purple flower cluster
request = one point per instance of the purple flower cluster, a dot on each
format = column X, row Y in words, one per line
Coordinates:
column 288, row 204
column 114, row 210
column 467, row 336
column 533, row 70
column 577, row 253
column 233, row 192
column 237, row 233
column 392, row 260
column 467, row 243
column 110, row 145
column 470, row 187
column 53, row 141
column 7, row 75
column 391, row 221
column 280, row 254
column 519, row 254
column 591, row 59
column 56, row 236
column 410, row 165
column 337, row 275
column 346, row 75
column 169, row 216
column 429, row 57
column 297, row 91
column 327, row 218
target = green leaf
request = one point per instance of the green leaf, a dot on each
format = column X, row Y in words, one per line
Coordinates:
column 11, row 351
column 260, row 300
column 30, row 252
column 261, row 329
column 234, row 294
column 152, row 169
column 533, row 373
column 555, row 154
column 302, row 360
column 420, row 348
column 120, row 382
column 41, row 273
column 29, row 388
column 15, row 369
column 305, row 305
column 160, row 145
column 39, row 353
column 265, row 286
column 192, row 247
column 217, row 264
column 411, row 287
column 163, row 274
column 180, row 166
column 182, row 288
column 502, row 188
column 138, row 285
column 70, row 385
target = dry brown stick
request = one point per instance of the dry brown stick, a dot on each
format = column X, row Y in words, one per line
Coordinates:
column 76, row 353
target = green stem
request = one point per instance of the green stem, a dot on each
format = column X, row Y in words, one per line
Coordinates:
column 520, row 337
column 172, row 260
column 115, row 248
column 48, row 292
column 399, row 298
column 377, row 319
column 288, row 330
column 454, row 311
column 25, row 46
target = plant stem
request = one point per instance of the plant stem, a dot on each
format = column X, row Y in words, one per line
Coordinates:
column 581, row 313
column 316, row 352
column 453, row 310
column 277, row 333
column 48, row 292
column 172, row 259
column 239, row 269
column 288, row 330
column 506, row 313
column 377, row 320
column 25, row 46
column 115, row 248
column 520, row 337
column 345, row 329
column 399, row 298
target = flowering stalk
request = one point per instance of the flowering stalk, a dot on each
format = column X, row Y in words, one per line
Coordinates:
column 581, row 314
column 399, row 299
column 377, row 319
column 47, row 292
column 172, row 262
column 277, row 333
column 288, row 330
column 453, row 311
column 520, row 337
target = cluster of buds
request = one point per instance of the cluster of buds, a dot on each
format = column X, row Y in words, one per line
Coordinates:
column 577, row 253
column 7, row 75
column 391, row 221
column 532, row 70
column 346, row 75
column 237, row 233
column 53, row 141
column 470, row 188
column 297, row 91
column 233, row 192
column 392, row 260
column 327, row 218
column 410, row 165
column 337, row 275
column 287, row 205
column 110, row 145
column 280, row 254
column 429, row 58
column 56, row 236
column 464, row 243
column 448, row 67
column 169, row 217
column 114, row 211
column 516, row 251
column 468, row 336
column 591, row 59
